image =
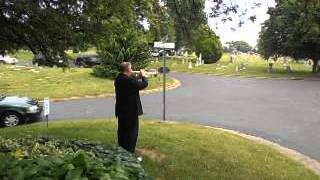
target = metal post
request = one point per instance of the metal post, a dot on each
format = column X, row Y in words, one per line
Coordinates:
column 164, row 85
column 47, row 130
column 47, row 119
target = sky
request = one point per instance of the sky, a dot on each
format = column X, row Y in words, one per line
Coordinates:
column 249, row 32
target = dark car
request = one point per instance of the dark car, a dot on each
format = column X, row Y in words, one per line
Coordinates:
column 40, row 60
column 16, row 110
column 88, row 61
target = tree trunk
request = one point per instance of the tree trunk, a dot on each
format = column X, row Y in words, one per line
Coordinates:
column 315, row 67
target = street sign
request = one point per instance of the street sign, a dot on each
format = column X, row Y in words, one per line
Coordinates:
column 46, row 106
column 162, row 45
column 169, row 45
column 158, row 44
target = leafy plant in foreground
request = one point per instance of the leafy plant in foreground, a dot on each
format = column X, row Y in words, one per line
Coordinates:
column 30, row 158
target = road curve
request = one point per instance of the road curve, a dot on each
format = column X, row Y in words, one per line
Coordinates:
column 283, row 111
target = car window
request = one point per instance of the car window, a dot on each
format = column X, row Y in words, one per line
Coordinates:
column 40, row 56
column 93, row 58
column 2, row 98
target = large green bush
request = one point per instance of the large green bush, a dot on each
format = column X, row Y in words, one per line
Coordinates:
column 209, row 45
column 29, row 158
column 128, row 45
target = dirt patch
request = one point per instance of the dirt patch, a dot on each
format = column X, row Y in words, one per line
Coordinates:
column 152, row 154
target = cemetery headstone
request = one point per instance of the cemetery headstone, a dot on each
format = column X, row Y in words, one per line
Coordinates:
column 270, row 64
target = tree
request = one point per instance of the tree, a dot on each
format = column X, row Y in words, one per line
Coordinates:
column 125, row 45
column 241, row 46
column 43, row 26
column 208, row 44
column 292, row 30
column 161, row 24
column 53, row 26
column 188, row 15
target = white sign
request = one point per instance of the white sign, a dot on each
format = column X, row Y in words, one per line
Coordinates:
column 169, row 45
column 158, row 44
column 46, row 106
column 164, row 45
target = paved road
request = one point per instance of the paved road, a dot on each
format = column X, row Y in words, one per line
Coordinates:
column 285, row 112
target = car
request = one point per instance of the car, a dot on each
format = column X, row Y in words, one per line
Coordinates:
column 8, row 60
column 15, row 110
column 87, row 61
column 159, row 53
column 40, row 60
column 155, row 53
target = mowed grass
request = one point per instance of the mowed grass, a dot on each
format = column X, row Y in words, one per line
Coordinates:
column 183, row 151
column 255, row 66
column 54, row 83
column 26, row 56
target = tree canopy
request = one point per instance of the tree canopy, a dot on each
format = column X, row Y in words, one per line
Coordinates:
column 241, row 46
column 52, row 26
column 208, row 44
column 292, row 30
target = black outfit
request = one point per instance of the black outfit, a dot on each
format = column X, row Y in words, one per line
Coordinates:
column 128, row 109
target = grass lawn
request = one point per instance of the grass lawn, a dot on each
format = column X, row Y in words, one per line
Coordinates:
column 54, row 83
column 25, row 56
column 184, row 151
column 255, row 66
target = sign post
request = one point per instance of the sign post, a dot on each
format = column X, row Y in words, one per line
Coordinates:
column 164, row 47
column 164, row 84
column 46, row 110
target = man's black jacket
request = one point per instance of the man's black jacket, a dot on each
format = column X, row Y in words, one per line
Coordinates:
column 128, row 101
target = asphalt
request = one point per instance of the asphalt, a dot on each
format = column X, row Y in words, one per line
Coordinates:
column 283, row 111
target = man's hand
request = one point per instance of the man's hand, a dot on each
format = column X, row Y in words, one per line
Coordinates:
column 143, row 73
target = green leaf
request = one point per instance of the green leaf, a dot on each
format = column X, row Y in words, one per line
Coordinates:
column 80, row 161
column 74, row 174
column 16, row 173
column 31, row 171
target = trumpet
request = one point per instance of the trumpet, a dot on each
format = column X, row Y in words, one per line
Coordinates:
column 149, row 73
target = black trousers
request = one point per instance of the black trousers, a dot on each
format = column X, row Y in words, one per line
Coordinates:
column 128, row 130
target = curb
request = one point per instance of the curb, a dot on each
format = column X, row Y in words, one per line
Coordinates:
column 176, row 83
column 251, row 76
column 305, row 160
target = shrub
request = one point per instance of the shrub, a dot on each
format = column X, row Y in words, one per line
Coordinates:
column 209, row 45
column 29, row 158
column 126, row 45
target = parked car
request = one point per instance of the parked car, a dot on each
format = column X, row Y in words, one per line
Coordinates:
column 87, row 61
column 8, row 60
column 40, row 60
column 16, row 110
column 155, row 53
column 159, row 53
